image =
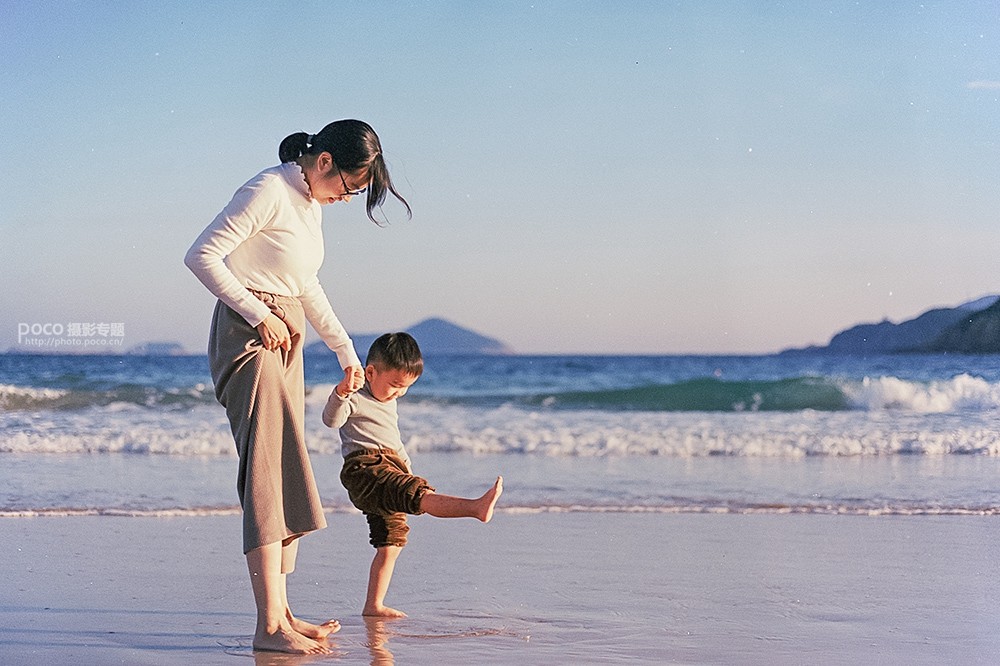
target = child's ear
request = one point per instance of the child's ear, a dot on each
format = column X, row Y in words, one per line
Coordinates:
column 370, row 372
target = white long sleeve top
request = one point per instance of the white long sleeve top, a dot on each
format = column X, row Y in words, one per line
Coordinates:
column 269, row 238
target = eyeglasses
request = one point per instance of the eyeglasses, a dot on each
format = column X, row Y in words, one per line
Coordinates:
column 347, row 190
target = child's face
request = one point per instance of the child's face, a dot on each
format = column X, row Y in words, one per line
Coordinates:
column 388, row 385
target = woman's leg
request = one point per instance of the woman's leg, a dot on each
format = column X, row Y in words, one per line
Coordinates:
column 274, row 631
column 263, row 394
column 308, row 629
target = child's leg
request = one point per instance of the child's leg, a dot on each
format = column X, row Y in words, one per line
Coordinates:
column 274, row 632
column 447, row 506
column 378, row 582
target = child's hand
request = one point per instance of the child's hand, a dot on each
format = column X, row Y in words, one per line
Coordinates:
column 354, row 379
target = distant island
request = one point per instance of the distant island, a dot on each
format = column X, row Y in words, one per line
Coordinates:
column 435, row 336
column 157, row 349
column 970, row 328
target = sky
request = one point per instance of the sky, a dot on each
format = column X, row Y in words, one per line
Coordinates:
column 586, row 177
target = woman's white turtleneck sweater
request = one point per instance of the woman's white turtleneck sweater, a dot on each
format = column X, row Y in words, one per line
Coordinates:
column 270, row 238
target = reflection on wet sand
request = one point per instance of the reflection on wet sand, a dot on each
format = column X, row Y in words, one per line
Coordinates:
column 378, row 637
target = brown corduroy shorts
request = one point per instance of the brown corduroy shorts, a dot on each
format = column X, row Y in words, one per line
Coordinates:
column 379, row 484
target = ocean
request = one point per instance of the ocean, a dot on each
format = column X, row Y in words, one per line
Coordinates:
column 773, row 434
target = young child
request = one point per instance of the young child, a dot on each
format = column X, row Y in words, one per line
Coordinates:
column 377, row 472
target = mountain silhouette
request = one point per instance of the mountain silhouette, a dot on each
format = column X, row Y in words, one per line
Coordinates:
column 970, row 328
column 435, row 336
column 975, row 333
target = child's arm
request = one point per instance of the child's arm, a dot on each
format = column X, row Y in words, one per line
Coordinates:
column 338, row 405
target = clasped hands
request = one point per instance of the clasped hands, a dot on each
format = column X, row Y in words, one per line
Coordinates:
column 354, row 379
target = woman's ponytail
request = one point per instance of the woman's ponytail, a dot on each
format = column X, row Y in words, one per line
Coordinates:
column 293, row 147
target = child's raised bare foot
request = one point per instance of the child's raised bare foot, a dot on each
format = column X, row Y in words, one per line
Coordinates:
column 382, row 611
column 285, row 639
column 310, row 630
column 489, row 500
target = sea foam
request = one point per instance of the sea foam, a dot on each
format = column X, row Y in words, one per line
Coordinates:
column 884, row 416
column 508, row 429
column 961, row 393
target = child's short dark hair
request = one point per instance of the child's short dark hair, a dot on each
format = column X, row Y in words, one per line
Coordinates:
column 396, row 351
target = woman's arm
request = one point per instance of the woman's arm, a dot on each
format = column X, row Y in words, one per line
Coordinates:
column 239, row 220
column 320, row 314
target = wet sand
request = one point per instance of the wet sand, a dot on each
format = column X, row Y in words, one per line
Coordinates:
column 602, row 588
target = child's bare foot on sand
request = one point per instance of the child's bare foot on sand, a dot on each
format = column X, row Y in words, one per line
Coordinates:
column 489, row 500
column 310, row 630
column 285, row 639
column 382, row 611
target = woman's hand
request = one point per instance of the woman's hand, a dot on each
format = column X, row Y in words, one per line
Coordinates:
column 274, row 333
column 354, row 379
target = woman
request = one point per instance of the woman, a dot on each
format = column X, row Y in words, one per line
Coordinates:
column 260, row 257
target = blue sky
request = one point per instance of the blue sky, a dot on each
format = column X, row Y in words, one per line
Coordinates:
column 586, row 177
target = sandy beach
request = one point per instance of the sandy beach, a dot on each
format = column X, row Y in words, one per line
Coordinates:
column 567, row 588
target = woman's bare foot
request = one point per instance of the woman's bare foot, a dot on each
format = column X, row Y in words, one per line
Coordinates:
column 382, row 611
column 286, row 639
column 310, row 630
column 489, row 500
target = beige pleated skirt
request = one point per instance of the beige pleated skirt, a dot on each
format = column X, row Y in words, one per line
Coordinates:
column 264, row 396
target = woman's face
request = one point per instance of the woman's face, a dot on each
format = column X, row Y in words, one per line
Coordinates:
column 329, row 184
